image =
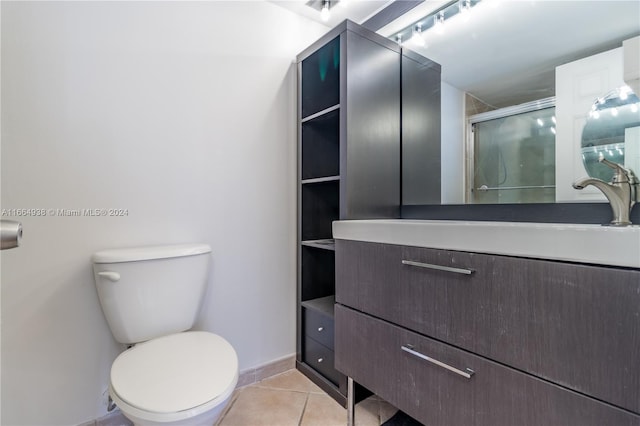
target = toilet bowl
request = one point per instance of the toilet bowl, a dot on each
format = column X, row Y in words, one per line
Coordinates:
column 170, row 375
column 182, row 379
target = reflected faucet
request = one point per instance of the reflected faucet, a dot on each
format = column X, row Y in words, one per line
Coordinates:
column 621, row 191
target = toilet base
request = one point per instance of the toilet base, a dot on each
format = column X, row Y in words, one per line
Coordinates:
column 205, row 419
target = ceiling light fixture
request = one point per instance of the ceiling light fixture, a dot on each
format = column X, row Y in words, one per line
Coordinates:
column 324, row 7
column 324, row 13
column 437, row 18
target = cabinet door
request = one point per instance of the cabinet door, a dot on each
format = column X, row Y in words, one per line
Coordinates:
column 370, row 351
column 575, row 325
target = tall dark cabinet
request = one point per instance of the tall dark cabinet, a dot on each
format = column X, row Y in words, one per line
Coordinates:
column 349, row 167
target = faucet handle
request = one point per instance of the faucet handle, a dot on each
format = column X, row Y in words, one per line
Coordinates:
column 622, row 175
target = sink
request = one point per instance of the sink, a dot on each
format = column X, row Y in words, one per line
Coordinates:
column 595, row 244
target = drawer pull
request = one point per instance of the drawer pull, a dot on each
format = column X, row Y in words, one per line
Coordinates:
column 320, row 360
column 438, row 267
column 320, row 329
column 468, row 373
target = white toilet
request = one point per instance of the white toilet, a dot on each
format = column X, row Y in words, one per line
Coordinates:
column 150, row 297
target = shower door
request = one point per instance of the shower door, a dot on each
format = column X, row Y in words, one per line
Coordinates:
column 512, row 155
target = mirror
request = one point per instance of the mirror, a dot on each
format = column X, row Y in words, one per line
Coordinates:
column 505, row 53
column 613, row 131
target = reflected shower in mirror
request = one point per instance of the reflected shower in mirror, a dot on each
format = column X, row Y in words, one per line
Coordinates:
column 513, row 155
column 612, row 130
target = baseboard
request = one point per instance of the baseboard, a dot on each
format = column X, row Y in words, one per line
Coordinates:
column 254, row 375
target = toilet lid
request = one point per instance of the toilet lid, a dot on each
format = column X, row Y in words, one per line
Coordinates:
column 176, row 372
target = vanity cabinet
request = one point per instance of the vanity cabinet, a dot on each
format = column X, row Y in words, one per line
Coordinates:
column 349, row 165
column 548, row 342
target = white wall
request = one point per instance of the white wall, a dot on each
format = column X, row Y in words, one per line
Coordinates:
column 183, row 114
column 453, row 144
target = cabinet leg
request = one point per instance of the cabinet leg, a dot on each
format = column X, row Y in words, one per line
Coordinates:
column 351, row 402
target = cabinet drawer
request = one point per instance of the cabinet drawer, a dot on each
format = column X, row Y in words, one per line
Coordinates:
column 370, row 351
column 575, row 325
column 319, row 327
column 321, row 359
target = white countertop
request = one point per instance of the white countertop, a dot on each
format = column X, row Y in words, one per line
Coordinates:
column 596, row 244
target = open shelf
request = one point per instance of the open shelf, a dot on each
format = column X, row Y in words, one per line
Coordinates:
column 317, row 273
column 327, row 244
column 320, row 179
column 321, row 79
column 321, row 304
column 320, row 207
column 321, row 146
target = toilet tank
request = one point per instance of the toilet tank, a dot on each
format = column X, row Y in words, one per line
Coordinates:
column 147, row 292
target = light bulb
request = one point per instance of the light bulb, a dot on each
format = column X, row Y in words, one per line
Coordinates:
column 464, row 6
column 417, row 37
column 614, row 112
column 438, row 22
column 634, row 108
column 324, row 13
column 553, row 130
column 540, row 122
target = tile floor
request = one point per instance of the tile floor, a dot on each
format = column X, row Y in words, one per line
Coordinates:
column 290, row 398
column 286, row 399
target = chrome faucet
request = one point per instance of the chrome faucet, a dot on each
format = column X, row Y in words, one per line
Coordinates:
column 621, row 191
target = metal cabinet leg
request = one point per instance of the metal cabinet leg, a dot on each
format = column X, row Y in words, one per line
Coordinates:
column 351, row 402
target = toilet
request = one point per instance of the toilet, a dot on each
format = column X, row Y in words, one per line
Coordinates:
column 150, row 297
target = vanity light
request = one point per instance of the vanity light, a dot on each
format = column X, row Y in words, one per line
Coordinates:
column 540, row 122
column 465, row 7
column 614, row 112
column 438, row 22
column 436, row 18
column 324, row 13
column 417, row 37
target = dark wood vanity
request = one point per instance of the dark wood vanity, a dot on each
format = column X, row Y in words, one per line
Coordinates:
column 461, row 338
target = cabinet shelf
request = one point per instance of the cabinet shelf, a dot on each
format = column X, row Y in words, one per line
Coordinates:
column 324, row 305
column 321, row 113
column 320, row 146
column 328, row 244
column 320, row 179
column 317, row 273
column 319, row 208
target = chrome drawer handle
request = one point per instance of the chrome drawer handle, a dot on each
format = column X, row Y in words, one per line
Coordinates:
column 438, row 267
column 320, row 329
column 468, row 373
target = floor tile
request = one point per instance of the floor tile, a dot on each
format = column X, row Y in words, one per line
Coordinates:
column 368, row 412
column 292, row 380
column 258, row 406
column 386, row 411
column 322, row 410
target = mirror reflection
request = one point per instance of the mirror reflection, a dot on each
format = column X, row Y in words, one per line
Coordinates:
column 514, row 155
column 612, row 131
column 501, row 54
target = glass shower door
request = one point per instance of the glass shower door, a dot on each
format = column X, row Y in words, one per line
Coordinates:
column 513, row 156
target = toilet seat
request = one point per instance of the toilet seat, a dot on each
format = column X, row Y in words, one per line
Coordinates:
column 176, row 376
